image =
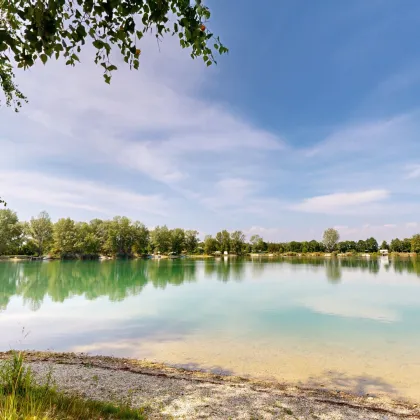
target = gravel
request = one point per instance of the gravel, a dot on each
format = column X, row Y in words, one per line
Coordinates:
column 175, row 393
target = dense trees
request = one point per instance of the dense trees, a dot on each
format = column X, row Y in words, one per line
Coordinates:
column 121, row 237
column 32, row 31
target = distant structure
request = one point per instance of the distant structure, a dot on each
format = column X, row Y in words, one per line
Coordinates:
column 383, row 252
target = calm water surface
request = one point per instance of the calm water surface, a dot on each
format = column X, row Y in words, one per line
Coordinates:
column 350, row 324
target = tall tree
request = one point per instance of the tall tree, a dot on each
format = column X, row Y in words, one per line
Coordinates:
column 384, row 245
column 361, row 246
column 210, row 245
column 142, row 234
column 371, row 245
column 223, row 240
column 40, row 230
column 121, row 236
column 160, row 239
column 257, row 243
column 406, row 245
column 177, row 240
column 38, row 30
column 65, row 236
column 330, row 239
column 88, row 241
column 11, row 232
column 415, row 244
column 396, row 245
column 237, row 242
column 191, row 241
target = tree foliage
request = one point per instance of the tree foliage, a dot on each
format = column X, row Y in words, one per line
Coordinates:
column 122, row 237
column 40, row 230
column 39, row 30
column 11, row 232
column 415, row 244
column 330, row 239
column 223, row 241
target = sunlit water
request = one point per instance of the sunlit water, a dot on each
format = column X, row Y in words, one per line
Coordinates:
column 350, row 324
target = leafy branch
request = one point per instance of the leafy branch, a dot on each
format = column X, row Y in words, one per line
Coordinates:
column 33, row 30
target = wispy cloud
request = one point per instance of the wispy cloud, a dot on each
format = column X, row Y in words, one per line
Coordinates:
column 340, row 202
column 95, row 197
column 413, row 171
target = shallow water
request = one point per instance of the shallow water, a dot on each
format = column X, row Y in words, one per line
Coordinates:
column 350, row 324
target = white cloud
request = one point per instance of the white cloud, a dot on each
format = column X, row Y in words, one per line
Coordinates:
column 370, row 136
column 411, row 224
column 340, row 202
column 413, row 171
column 46, row 192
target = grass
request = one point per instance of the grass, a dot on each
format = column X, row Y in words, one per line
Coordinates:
column 21, row 398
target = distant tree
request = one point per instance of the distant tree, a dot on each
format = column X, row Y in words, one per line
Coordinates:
column 40, row 230
column 237, row 242
column 142, row 238
column 11, row 232
column 88, row 242
column 2, row 202
column 121, row 236
column 160, row 239
column 177, row 240
column 191, row 241
column 371, row 245
column 32, row 31
column 396, row 245
column 65, row 237
column 384, row 245
column 223, row 240
column 406, row 245
column 257, row 243
column 314, row 246
column 330, row 239
column 210, row 245
column 415, row 244
column 295, row 246
column 361, row 246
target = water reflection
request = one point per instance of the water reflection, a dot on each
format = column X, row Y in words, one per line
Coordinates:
column 33, row 281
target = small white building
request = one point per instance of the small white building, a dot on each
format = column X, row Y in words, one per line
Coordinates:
column 383, row 252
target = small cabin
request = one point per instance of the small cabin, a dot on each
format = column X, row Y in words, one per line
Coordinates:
column 383, row 252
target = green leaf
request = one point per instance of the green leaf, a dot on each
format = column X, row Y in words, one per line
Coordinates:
column 107, row 78
column 98, row 44
column 112, row 68
column 43, row 58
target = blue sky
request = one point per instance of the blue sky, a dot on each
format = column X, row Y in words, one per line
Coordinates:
column 311, row 121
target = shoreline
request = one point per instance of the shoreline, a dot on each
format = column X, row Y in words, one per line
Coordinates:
column 170, row 392
column 288, row 255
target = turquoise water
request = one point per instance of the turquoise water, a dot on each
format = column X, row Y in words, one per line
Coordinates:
column 351, row 324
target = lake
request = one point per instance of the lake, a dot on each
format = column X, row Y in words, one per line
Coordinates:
column 344, row 324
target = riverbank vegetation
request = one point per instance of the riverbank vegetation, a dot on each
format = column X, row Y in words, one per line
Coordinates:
column 22, row 398
column 121, row 237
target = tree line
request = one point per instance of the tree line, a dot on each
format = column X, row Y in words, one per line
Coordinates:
column 122, row 237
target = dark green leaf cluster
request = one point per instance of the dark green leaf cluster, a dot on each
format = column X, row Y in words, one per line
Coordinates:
column 32, row 30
